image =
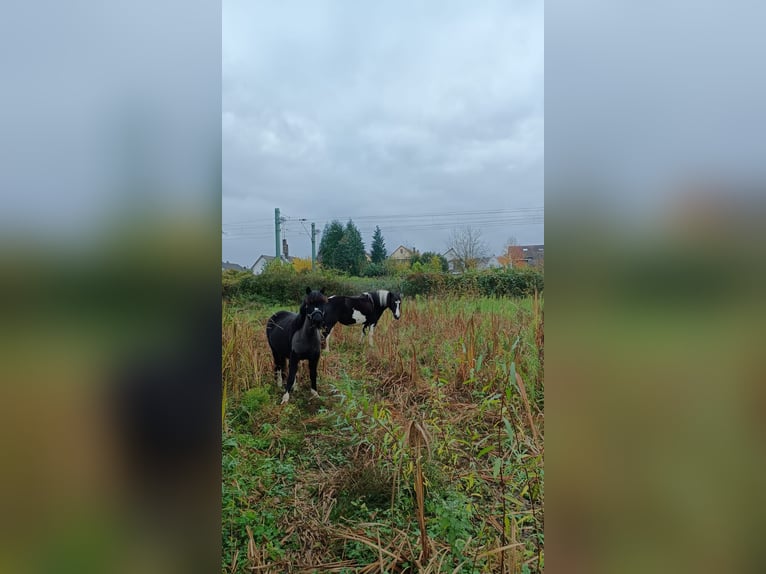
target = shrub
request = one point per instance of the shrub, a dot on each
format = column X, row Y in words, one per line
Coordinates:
column 374, row 270
column 280, row 283
column 234, row 281
column 489, row 283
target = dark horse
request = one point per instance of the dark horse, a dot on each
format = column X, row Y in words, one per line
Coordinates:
column 365, row 308
column 297, row 337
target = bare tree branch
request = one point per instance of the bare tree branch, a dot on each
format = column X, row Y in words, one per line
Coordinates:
column 468, row 246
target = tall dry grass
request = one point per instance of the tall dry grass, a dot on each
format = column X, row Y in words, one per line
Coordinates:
column 448, row 402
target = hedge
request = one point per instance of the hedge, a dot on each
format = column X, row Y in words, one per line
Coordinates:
column 488, row 283
column 282, row 284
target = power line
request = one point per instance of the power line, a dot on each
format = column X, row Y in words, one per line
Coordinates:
column 400, row 216
column 261, row 229
column 421, row 227
column 401, row 228
column 416, row 224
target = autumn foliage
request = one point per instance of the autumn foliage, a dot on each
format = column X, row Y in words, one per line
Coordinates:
column 302, row 265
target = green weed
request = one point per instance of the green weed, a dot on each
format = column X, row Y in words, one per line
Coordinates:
column 334, row 484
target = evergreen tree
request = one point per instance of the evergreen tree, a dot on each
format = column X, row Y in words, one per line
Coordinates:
column 350, row 256
column 342, row 248
column 328, row 246
column 378, row 251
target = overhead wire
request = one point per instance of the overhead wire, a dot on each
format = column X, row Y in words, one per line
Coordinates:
column 398, row 222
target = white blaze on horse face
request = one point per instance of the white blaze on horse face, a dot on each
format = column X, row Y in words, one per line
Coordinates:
column 397, row 313
column 358, row 316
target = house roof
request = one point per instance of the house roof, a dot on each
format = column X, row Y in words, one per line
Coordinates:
column 268, row 258
column 488, row 262
column 229, row 265
column 402, row 252
column 450, row 255
column 533, row 254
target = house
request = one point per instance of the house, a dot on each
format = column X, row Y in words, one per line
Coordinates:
column 260, row 263
column 402, row 254
column 227, row 265
column 524, row 256
column 454, row 263
column 488, row 263
column 263, row 260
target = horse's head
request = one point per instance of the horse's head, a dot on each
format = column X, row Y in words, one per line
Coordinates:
column 313, row 307
column 395, row 304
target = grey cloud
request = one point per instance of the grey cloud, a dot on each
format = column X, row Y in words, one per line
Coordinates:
column 350, row 110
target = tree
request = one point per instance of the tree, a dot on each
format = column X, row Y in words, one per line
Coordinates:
column 468, row 246
column 302, row 265
column 378, row 250
column 516, row 256
column 352, row 257
column 328, row 246
column 433, row 262
column 342, row 248
column 374, row 270
column 506, row 259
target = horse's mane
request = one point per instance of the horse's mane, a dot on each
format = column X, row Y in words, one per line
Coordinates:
column 312, row 298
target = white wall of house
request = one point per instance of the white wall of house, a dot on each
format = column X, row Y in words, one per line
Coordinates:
column 259, row 265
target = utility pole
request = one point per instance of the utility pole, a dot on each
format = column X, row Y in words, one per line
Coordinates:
column 313, row 245
column 276, row 233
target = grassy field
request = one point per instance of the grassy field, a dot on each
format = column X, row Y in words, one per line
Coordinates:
column 423, row 454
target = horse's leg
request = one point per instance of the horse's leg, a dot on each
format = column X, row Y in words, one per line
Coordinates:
column 313, row 363
column 326, row 335
column 372, row 328
column 280, row 372
column 290, row 377
column 364, row 330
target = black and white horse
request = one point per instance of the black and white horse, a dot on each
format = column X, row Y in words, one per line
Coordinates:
column 365, row 309
column 296, row 337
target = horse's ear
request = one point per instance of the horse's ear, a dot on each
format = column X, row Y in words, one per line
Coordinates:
column 308, row 290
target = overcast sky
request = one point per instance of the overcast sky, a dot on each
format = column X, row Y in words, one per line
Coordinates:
column 396, row 114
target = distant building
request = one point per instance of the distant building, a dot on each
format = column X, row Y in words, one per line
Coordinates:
column 454, row 263
column 263, row 260
column 488, row 263
column 402, row 254
column 524, row 256
column 227, row 265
